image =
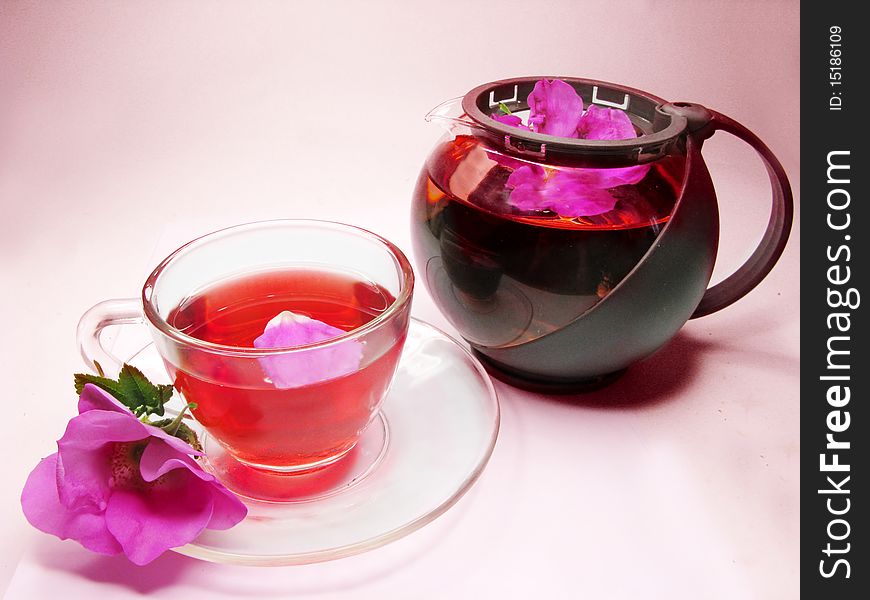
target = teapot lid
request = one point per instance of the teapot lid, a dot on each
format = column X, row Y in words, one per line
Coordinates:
column 660, row 124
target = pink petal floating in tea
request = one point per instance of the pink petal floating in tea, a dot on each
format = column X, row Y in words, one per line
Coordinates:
column 602, row 123
column 570, row 196
column 296, row 368
column 569, row 193
column 527, row 175
column 554, row 108
column 512, row 120
column 606, row 178
column 527, row 188
column 289, row 329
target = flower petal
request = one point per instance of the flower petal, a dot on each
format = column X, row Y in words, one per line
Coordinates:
column 85, row 485
column 177, row 443
column 303, row 367
column 166, row 514
column 94, row 398
column 527, row 186
column 569, row 192
column 94, row 428
column 159, row 459
column 512, row 120
column 288, row 329
column 228, row 509
column 623, row 175
column 555, row 108
column 606, row 178
column 43, row 510
column 603, row 123
column 84, row 466
column 526, row 175
column 572, row 197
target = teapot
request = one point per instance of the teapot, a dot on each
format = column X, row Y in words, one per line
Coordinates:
column 563, row 259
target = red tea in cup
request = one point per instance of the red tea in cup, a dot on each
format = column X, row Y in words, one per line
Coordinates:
column 261, row 421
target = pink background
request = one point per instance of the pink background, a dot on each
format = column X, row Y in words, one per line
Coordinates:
column 127, row 128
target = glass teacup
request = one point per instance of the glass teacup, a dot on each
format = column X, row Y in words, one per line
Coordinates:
column 220, row 310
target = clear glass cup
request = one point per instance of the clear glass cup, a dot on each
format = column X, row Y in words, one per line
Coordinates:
column 262, row 421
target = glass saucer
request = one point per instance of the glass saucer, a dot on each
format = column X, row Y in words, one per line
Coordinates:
column 430, row 442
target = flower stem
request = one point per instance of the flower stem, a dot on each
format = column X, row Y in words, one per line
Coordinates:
column 172, row 427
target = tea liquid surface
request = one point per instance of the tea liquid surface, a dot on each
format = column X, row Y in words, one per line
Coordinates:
column 235, row 312
column 258, row 422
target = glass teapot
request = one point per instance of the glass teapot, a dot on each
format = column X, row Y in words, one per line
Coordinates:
column 563, row 260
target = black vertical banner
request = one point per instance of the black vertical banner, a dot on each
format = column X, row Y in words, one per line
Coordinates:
column 835, row 362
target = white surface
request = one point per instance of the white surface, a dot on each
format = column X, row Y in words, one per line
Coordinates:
column 128, row 127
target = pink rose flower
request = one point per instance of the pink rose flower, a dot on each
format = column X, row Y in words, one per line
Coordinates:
column 118, row 485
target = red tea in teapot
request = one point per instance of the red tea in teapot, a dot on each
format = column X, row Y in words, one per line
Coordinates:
column 568, row 227
column 505, row 274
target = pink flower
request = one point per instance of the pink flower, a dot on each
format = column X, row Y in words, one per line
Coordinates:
column 554, row 108
column 303, row 367
column 118, row 485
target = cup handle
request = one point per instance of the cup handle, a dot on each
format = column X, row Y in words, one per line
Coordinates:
column 107, row 313
column 759, row 264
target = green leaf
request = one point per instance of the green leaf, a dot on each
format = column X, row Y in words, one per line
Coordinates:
column 136, row 386
column 143, row 398
column 504, row 108
column 109, row 385
column 164, row 393
column 132, row 389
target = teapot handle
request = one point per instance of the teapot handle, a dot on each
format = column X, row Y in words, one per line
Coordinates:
column 759, row 264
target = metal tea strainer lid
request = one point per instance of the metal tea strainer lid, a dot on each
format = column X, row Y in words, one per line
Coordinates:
column 661, row 125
